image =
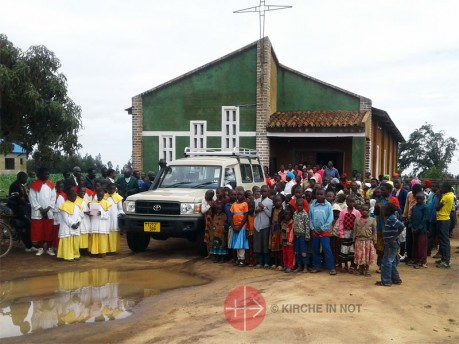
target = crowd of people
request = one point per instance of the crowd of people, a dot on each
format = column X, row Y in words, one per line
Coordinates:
column 77, row 215
column 303, row 220
column 311, row 218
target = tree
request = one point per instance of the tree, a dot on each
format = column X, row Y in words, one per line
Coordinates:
column 58, row 162
column 427, row 151
column 35, row 110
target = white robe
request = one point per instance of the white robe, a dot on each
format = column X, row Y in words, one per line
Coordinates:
column 43, row 199
column 67, row 221
column 115, row 210
column 59, row 201
column 100, row 223
column 85, row 219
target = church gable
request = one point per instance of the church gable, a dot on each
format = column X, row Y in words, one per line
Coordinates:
column 299, row 92
column 200, row 95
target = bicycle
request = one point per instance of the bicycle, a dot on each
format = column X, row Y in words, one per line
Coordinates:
column 8, row 233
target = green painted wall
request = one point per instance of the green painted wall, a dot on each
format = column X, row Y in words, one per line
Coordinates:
column 150, row 153
column 297, row 93
column 180, row 143
column 214, row 142
column 201, row 95
column 358, row 154
column 247, row 117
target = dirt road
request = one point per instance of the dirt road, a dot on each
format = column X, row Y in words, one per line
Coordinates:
column 425, row 308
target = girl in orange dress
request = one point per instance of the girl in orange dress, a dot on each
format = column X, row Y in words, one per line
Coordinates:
column 239, row 241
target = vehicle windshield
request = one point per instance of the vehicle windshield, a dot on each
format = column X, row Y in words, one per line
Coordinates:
column 191, row 177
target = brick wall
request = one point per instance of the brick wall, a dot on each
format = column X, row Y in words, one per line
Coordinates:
column 264, row 61
column 137, row 128
column 365, row 106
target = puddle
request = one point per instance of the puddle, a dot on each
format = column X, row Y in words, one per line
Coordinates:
column 35, row 304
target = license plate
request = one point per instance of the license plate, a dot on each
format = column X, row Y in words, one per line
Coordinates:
column 152, row 227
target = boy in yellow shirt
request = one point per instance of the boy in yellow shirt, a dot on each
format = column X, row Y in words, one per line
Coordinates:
column 444, row 206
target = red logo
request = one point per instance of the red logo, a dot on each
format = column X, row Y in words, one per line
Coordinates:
column 244, row 308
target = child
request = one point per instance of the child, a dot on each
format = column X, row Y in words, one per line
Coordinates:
column 330, row 197
column 249, row 196
column 299, row 194
column 302, row 235
column 256, row 193
column 239, row 211
column 391, row 232
column 335, row 243
column 419, row 218
column 82, row 201
column 219, row 242
column 42, row 199
column 220, row 195
column 206, row 209
column 61, row 197
column 229, row 221
column 320, row 220
column 364, row 236
column 275, row 233
column 341, row 201
column 308, row 195
column 69, row 222
column 263, row 210
column 346, row 227
column 115, row 210
column 250, row 255
column 287, row 240
column 100, row 225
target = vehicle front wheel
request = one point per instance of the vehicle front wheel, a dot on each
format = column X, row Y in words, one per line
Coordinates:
column 137, row 242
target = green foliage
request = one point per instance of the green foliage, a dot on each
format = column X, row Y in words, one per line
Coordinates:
column 432, row 173
column 58, row 163
column 426, row 150
column 36, row 111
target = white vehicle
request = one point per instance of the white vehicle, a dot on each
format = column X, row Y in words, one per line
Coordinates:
column 173, row 207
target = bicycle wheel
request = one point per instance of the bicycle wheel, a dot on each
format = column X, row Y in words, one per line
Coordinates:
column 6, row 239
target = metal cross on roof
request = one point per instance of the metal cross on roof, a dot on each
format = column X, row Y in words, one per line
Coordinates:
column 262, row 8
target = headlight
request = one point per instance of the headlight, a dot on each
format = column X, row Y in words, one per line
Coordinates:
column 129, row 206
column 190, row 208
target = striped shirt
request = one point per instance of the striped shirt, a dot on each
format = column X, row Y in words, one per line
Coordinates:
column 393, row 225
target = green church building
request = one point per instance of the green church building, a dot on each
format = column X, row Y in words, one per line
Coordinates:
column 249, row 99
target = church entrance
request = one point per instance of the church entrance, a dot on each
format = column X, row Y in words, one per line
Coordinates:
column 311, row 151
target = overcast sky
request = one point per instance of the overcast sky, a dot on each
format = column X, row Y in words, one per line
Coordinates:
column 402, row 54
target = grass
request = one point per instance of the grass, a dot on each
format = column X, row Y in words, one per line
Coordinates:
column 7, row 180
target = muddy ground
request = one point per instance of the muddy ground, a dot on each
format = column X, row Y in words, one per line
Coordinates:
column 425, row 308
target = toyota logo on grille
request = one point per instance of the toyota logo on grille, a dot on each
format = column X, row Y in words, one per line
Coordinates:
column 156, row 207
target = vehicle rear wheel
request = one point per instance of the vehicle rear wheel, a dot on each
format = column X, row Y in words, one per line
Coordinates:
column 137, row 242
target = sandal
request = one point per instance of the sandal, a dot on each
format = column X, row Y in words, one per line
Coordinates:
column 381, row 284
column 397, row 282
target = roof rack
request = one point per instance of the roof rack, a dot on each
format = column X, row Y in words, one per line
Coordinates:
column 236, row 152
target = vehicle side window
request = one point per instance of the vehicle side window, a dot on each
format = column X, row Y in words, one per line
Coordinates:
column 257, row 174
column 230, row 177
column 246, row 173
